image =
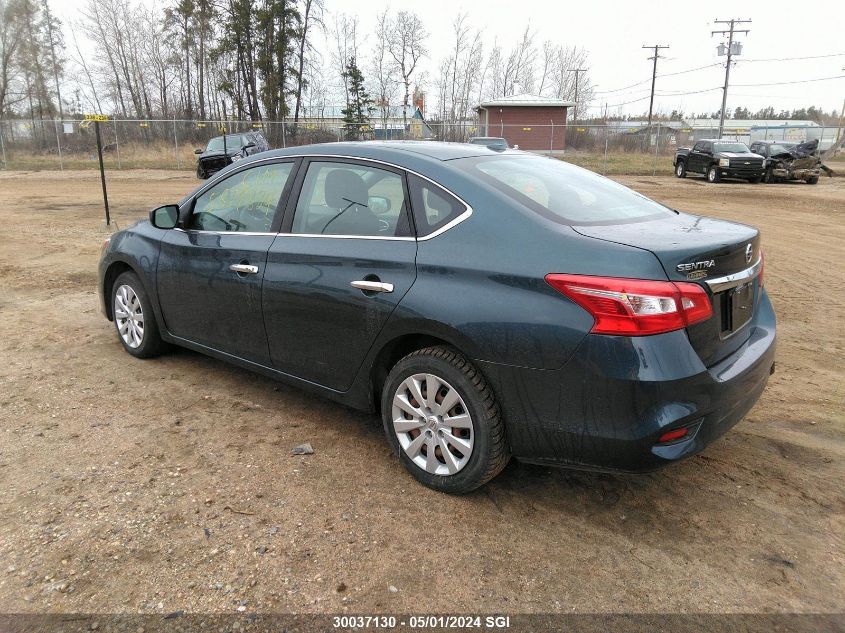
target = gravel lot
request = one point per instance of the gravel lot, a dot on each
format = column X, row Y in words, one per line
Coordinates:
column 169, row 484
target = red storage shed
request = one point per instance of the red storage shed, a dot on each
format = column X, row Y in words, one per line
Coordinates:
column 534, row 123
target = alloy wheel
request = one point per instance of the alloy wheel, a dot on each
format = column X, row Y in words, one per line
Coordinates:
column 129, row 316
column 433, row 424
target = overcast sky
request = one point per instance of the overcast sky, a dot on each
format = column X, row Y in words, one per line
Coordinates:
column 613, row 31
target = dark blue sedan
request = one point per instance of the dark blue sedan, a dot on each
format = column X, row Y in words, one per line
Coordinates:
column 487, row 303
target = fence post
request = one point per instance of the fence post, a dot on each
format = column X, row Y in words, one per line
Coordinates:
column 176, row 144
column 117, row 144
column 656, row 148
column 59, row 145
column 3, row 146
column 605, row 151
column 552, row 139
column 284, row 134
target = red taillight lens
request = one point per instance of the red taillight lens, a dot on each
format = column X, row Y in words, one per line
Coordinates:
column 635, row 307
column 671, row 436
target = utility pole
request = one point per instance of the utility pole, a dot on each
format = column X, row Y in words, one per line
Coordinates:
column 577, row 72
column 656, row 48
column 730, row 33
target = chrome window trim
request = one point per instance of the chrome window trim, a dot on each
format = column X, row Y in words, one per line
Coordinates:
column 463, row 216
column 244, row 233
column 732, row 281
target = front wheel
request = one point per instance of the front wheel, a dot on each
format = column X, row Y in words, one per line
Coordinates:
column 768, row 177
column 713, row 174
column 754, row 181
column 681, row 169
column 441, row 417
column 133, row 315
column 812, row 180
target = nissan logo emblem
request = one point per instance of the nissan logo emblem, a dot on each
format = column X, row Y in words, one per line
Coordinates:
column 749, row 252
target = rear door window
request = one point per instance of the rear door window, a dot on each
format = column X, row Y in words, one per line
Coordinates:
column 343, row 198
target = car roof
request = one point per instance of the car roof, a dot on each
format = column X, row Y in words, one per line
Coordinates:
column 436, row 150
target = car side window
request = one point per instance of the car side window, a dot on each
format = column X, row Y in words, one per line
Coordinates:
column 698, row 147
column 243, row 202
column 433, row 207
column 351, row 199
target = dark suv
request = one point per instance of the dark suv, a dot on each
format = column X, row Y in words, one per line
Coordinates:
column 224, row 150
column 717, row 159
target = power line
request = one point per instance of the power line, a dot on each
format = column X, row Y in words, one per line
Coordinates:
column 792, row 59
column 788, row 83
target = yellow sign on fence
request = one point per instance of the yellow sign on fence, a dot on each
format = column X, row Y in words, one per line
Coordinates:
column 96, row 117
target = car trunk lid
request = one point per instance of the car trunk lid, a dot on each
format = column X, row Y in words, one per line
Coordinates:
column 713, row 253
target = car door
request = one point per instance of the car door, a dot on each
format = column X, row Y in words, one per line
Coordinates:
column 345, row 258
column 210, row 270
column 696, row 162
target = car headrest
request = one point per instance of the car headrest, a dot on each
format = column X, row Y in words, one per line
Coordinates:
column 344, row 187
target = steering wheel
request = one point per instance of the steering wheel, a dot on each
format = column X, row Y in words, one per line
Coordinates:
column 199, row 219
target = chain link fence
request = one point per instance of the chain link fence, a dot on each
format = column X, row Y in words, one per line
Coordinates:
column 619, row 147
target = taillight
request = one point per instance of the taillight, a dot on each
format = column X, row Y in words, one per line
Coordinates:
column 634, row 307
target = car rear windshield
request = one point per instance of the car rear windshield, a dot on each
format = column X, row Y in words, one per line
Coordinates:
column 731, row 147
column 563, row 192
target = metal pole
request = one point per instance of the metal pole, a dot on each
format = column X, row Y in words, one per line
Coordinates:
column 284, row 135
column 102, row 171
column 117, row 145
column 656, row 147
column 59, row 144
column 552, row 139
column 176, row 144
column 3, row 145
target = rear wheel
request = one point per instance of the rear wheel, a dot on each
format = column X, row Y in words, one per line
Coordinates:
column 441, row 417
column 713, row 174
column 681, row 169
column 134, row 320
column 812, row 180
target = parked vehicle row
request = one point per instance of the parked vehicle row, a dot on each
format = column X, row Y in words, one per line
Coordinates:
column 766, row 161
column 486, row 302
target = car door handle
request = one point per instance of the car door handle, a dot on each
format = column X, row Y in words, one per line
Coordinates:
column 372, row 286
column 244, row 269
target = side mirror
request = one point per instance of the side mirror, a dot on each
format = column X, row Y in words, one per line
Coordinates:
column 197, row 151
column 378, row 204
column 165, row 217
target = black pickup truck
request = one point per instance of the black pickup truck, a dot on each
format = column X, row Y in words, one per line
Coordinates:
column 717, row 159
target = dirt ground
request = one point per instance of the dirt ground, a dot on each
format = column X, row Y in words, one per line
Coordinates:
column 168, row 484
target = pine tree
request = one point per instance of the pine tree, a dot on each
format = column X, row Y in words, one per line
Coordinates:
column 359, row 109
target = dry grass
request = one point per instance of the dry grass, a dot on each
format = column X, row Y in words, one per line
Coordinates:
column 162, row 155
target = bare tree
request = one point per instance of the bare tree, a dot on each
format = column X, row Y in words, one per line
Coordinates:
column 407, row 45
column 10, row 40
column 312, row 16
column 382, row 70
column 345, row 35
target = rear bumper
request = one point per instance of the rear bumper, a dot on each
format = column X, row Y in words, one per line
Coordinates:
column 616, row 396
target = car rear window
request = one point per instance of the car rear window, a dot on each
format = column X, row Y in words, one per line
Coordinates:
column 563, row 192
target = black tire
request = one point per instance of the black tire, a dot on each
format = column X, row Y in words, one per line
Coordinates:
column 713, row 174
column 768, row 177
column 490, row 450
column 201, row 174
column 812, row 180
column 681, row 169
column 151, row 343
column 756, row 180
